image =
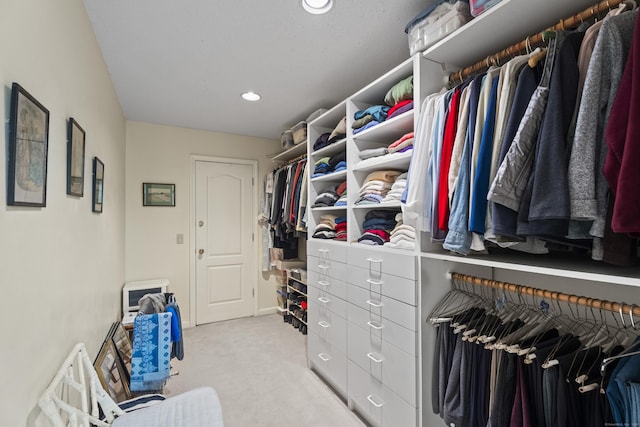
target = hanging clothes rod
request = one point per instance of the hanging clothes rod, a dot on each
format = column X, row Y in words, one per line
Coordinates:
column 598, row 304
column 533, row 41
column 294, row 160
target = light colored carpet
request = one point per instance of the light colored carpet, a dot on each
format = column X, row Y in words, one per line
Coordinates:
column 258, row 366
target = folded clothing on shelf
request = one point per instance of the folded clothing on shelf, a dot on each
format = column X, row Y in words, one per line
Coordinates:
column 397, row 189
column 402, row 236
column 377, row 226
column 399, row 108
column 401, row 91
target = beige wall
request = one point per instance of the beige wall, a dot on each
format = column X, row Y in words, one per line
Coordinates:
column 61, row 266
column 162, row 154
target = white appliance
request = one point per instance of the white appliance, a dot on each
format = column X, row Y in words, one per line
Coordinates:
column 133, row 291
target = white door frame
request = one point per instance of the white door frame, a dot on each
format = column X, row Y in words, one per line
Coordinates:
column 193, row 158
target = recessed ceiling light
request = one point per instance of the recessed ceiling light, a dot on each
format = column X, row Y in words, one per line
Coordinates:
column 317, row 7
column 250, row 96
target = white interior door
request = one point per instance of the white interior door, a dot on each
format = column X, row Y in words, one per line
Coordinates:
column 225, row 254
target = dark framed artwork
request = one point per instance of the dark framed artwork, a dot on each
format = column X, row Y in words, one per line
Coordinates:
column 111, row 372
column 75, row 158
column 154, row 194
column 28, row 145
column 98, row 185
column 123, row 346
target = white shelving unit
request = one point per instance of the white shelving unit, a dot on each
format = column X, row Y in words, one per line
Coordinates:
column 341, row 272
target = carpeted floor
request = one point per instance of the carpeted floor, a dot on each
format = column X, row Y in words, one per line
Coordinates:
column 258, row 366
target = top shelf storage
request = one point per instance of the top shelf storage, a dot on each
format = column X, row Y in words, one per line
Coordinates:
column 506, row 23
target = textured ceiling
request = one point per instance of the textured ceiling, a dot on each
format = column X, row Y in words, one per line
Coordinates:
column 185, row 63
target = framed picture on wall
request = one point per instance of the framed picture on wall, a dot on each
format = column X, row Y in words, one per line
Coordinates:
column 111, row 372
column 28, row 145
column 75, row 158
column 98, row 185
column 154, row 194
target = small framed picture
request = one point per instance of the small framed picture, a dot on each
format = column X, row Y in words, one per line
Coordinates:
column 28, row 145
column 98, row 185
column 154, row 194
column 111, row 373
column 123, row 346
column 75, row 158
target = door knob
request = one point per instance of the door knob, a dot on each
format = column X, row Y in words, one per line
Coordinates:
column 201, row 251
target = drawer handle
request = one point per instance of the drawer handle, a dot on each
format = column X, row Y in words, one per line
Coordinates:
column 323, row 251
column 374, row 282
column 374, row 326
column 323, row 266
column 376, row 304
column 323, row 283
column 324, row 300
column 373, row 402
column 377, row 261
column 324, row 356
column 324, row 324
column 373, row 357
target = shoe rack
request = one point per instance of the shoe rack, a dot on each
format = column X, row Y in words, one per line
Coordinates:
column 296, row 302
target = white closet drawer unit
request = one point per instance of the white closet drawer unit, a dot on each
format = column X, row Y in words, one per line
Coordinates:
column 376, row 402
column 327, row 283
column 383, row 329
column 380, row 306
column 329, row 362
column 384, row 362
column 327, row 267
column 328, row 325
column 395, row 287
column 326, row 250
column 383, row 261
column 327, row 301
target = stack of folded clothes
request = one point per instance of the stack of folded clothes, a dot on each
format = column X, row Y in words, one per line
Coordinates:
column 327, row 165
column 373, row 152
column 339, row 132
column 376, row 186
column 402, row 144
column 397, row 100
column 369, row 117
column 321, row 142
column 338, row 162
column 321, row 167
column 326, row 228
column 326, row 198
column 398, row 187
column 342, row 192
column 400, row 97
column 341, row 228
column 402, row 236
column 376, row 227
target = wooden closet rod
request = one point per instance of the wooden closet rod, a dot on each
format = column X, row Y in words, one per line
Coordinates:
column 532, row 41
column 598, row 304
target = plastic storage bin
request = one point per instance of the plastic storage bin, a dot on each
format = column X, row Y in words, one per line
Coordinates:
column 443, row 20
column 299, row 132
column 480, row 6
column 286, row 139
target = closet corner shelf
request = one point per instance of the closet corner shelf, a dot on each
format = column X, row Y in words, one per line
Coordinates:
column 549, row 265
column 398, row 161
column 392, row 128
column 330, row 149
column 291, row 153
column 330, row 177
